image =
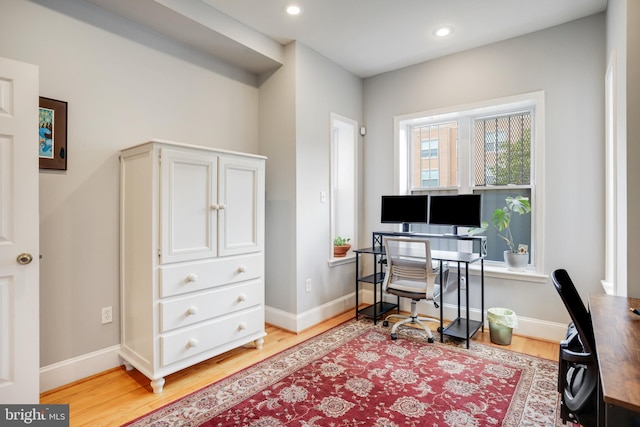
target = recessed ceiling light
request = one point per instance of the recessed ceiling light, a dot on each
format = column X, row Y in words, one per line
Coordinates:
column 443, row 31
column 294, row 10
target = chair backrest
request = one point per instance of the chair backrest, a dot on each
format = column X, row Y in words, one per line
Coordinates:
column 409, row 265
column 576, row 308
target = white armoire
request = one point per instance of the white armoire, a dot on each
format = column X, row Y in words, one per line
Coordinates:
column 192, row 255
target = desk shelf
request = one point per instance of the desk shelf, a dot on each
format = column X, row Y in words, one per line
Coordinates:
column 458, row 328
column 372, row 278
column 379, row 307
column 377, row 310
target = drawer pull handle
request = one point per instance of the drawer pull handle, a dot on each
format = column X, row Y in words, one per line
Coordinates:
column 193, row 342
column 242, row 298
column 242, row 326
column 242, row 269
column 192, row 277
column 192, row 310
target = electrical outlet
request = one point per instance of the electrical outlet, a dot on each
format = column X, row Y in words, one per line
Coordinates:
column 463, row 283
column 107, row 315
column 307, row 285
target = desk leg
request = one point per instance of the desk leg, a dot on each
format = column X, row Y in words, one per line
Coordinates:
column 482, row 292
column 441, row 328
column 357, row 284
column 375, row 290
column 466, row 275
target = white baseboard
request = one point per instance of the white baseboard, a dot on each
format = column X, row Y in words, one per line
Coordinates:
column 77, row 368
column 528, row 327
column 299, row 322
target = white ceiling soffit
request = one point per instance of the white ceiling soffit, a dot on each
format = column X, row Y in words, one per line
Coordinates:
column 366, row 37
column 204, row 28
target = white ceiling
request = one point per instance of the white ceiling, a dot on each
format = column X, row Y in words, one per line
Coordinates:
column 366, row 37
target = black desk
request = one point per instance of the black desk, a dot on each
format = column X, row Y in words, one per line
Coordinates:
column 461, row 327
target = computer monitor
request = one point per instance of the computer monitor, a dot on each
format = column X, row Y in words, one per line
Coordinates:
column 459, row 210
column 405, row 209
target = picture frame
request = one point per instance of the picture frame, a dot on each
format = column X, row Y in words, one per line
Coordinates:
column 52, row 131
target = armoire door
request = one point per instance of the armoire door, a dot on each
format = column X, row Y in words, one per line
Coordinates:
column 188, row 200
column 241, row 202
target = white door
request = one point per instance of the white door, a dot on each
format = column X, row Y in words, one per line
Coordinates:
column 241, row 205
column 19, row 228
column 188, row 197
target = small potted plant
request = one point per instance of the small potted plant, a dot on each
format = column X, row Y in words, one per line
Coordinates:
column 516, row 257
column 341, row 246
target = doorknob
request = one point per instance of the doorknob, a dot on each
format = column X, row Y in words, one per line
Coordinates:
column 24, row 259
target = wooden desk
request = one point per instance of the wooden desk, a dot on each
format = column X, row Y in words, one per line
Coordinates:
column 617, row 335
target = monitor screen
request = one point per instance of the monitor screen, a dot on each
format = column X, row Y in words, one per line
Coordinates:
column 398, row 209
column 463, row 210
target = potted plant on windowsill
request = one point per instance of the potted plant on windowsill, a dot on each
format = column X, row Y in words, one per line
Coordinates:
column 341, row 246
column 516, row 257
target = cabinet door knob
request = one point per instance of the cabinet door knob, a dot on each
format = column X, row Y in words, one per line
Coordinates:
column 193, row 342
column 242, row 326
column 242, row 269
column 192, row 277
column 222, row 206
column 242, row 298
column 192, row 310
column 214, row 206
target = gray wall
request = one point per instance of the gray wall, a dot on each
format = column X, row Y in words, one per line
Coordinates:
column 322, row 88
column 124, row 86
column 295, row 106
column 567, row 62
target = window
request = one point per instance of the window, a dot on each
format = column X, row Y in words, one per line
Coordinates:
column 429, row 178
column 433, row 147
column 429, row 148
column 491, row 148
column 343, row 179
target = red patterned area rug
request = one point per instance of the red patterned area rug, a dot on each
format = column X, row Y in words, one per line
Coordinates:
column 355, row 375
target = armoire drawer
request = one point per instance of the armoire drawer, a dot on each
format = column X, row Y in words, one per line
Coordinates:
column 181, row 278
column 182, row 344
column 187, row 310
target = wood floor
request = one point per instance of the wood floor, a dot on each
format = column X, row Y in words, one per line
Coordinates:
column 116, row 396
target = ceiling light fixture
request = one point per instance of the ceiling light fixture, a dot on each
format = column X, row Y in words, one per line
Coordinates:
column 294, row 10
column 443, row 31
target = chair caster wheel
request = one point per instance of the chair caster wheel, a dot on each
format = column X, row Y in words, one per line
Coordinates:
column 430, row 340
column 439, row 329
column 394, row 337
column 385, row 323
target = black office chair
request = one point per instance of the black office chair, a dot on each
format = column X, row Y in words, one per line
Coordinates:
column 578, row 364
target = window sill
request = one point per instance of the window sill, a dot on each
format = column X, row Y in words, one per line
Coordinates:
column 607, row 287
column 334, row 262
column 501, row 272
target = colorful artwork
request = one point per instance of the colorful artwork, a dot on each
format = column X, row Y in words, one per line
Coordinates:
column 46, row 140
column 52, row 134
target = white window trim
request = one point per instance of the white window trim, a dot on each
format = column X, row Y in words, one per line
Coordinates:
column 400, row 175
column 350, row 257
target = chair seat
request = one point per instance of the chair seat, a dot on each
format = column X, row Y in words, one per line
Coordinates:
column 408, row 291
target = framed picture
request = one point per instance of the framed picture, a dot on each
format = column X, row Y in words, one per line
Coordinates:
column 53, row 134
